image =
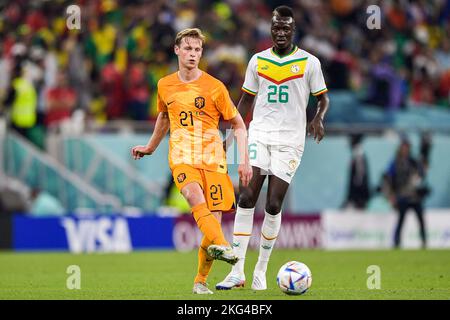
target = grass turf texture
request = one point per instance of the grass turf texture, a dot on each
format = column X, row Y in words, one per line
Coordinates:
column 408, row 274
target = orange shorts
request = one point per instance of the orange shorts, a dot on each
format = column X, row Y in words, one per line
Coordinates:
column 217, row 187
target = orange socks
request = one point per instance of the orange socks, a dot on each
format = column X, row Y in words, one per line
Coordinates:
column 208, row 224
column 204, row 261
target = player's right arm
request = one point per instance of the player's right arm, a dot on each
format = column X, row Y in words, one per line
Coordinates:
column 160, row 131
column 249, row 90
column 245, row 104
column 244, row 170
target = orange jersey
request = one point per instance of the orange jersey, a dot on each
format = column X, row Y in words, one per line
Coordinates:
column 194, row 111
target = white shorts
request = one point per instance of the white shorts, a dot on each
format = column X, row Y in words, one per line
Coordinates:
column 280, row 160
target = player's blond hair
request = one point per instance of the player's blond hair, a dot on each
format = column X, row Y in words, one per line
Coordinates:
column 195, row 33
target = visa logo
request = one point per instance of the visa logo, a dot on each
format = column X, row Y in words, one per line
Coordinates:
column 97, row 235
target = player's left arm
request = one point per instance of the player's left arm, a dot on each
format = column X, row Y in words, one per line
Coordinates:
column 229, row 112
column 244, row 106
column 316, row 127
column 318, row 89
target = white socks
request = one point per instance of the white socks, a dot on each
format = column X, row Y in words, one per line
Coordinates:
column 243, row 225
column 269, row 234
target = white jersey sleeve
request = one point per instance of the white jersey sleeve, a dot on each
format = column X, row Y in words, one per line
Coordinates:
column 251, row 82
column 316, row 81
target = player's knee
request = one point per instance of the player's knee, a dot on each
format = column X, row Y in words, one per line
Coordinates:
column 192, row 196
column 273, row 206
column 246, row 200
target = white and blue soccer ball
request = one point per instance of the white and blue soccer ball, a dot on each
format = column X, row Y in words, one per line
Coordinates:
column 294, row 278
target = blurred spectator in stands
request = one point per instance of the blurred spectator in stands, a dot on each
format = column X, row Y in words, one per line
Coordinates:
column 112, row 87
column 406, row 61
column 35, row 71
column 425, row 79
column 101, row 40
column 339, row 67
column 405, row 180
column 442, row 57
column 44, row 204
column 423, row 88
column 385, row 85
column 77, row 70
column 137, row 92
column 5, row 65
column 444, row 90
column 227, row 60
column 97, row 107
column 163, row 32
column 22, row 100
column 358, row 193
column 50, row 69
column 227, row 70
column 157, row 69
column 61, row 100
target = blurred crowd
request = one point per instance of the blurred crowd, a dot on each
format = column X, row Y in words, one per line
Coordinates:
column 110, row 67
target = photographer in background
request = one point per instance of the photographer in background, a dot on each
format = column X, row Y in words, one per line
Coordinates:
column 406, row 188
column 358, row 192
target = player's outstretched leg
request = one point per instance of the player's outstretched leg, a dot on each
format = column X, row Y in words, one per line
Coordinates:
column 222, row 252
column 204, row 266
column 269, row 233
column 243, row 225
column 219, row 249
column 209, row 225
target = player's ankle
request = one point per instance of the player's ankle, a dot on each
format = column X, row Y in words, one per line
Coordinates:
column 261, row 267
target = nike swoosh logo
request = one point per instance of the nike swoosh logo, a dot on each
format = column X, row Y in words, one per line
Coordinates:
column 170, row 102
column 216, row 203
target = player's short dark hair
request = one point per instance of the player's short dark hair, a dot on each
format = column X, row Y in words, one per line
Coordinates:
column 283, row 11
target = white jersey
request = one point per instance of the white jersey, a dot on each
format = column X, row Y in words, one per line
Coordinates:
column 282, row 86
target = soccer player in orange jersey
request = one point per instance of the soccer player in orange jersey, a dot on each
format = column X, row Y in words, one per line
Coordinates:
column 191, row 102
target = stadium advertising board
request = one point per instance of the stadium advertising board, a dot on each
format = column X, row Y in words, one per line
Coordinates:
column 362, row 230
column 331, row 230
column 92, row 234
column 124, row 234
column 297, row 231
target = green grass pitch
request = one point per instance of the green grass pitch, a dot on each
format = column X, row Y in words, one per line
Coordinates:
column 407, row 274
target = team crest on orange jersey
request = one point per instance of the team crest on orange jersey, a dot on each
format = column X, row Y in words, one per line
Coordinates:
column 199, row 102
column 181, row 177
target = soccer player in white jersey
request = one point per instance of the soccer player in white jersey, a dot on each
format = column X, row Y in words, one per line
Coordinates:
column 281, row 79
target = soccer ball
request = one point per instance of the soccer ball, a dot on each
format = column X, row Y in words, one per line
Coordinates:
column 294, row 278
